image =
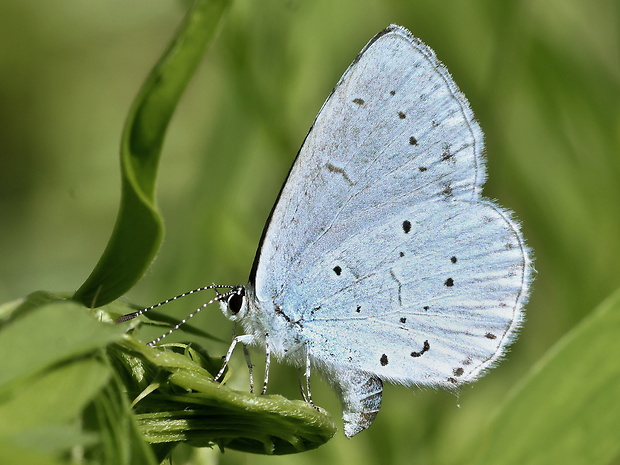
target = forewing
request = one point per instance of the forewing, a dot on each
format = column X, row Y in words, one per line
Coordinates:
column 394, row 128
column 384, row 193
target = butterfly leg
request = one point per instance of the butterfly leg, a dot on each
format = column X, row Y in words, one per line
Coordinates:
column 267, row 362
column 245, row 339
column 304, row 382
column 301, row 384
column 246, row 354
column 308, row 395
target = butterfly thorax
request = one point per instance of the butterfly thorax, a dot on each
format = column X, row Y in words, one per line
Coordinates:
column 272, row 325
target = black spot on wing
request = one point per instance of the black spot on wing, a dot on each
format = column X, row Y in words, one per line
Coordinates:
column 337, row 270
column 384, row 360
column 425, row 348
column 449, row 282
column 406, row 226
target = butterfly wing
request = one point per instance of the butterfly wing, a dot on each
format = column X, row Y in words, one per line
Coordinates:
column 393, row 129
column 380, row 248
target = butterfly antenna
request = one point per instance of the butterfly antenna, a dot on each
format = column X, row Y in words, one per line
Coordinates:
column 131, row 316
column 217, row 298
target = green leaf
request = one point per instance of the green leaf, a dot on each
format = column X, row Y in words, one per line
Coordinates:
column 183, row 403
column 10, row 311
column 138, row 232
column 52, row 368
column 567, row 406
column 46, row 335
column 121, row 443
column 40, row 410
column 12, row 454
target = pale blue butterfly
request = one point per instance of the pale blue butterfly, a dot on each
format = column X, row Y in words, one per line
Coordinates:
column 381, row 261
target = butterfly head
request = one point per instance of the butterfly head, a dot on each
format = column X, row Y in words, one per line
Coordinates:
column 234, row 304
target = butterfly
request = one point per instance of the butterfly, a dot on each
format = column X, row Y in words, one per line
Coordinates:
column 381, row 261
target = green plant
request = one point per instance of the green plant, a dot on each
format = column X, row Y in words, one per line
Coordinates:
column 543, row 82
column 80, row 387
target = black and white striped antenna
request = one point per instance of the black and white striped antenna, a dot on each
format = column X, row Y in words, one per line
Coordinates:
column 219, row 297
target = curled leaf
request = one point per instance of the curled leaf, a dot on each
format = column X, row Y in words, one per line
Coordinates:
column 180, row 402
column 139, row 230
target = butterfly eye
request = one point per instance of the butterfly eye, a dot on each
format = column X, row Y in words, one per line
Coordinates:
column 235, row 301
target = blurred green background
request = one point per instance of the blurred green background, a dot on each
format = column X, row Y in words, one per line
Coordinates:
column 543, row 79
